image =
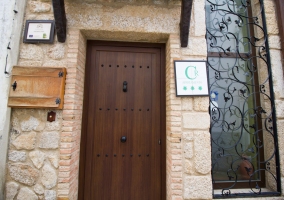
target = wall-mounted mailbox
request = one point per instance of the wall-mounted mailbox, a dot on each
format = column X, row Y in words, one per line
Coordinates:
column 37, row 87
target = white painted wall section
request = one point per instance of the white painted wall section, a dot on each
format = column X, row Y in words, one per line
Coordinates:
column 11, row 24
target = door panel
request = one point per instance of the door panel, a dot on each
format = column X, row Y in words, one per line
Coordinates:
column 114, row 169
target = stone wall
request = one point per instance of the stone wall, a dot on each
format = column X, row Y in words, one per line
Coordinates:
column 33, row 157
column 40, row 150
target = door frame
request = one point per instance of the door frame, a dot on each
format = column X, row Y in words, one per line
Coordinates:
column 83, row 148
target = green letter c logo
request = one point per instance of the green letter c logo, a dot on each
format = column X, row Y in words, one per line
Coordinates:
column 193, row 72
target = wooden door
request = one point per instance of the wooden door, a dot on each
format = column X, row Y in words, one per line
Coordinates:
column 122, row 124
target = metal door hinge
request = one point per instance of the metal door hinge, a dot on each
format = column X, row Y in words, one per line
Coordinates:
column 14, row 86
column 60, row 74
column 58, row 101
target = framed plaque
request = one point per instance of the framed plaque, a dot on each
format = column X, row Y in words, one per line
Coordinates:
column 39, row 31
column 191, row 78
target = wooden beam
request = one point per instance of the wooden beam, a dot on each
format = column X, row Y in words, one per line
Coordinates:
column 60, row 19
column 186, row 7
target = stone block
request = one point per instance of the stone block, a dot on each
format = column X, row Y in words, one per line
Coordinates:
column 25, row 141
column 280, row 128
column 53, row 126
column 188, row 167
column 186, row 104
column 187, row 136
column 39, row 7
column 38, row 188
column 26, row 194
column 31, row 52
column 277, row 73
column 57, row 51
column 197, row 187
column 32, row 124
column 274, row 42
column 53, row 158
column 49, row 176
column 202, row 152
column 49, row 195
column 49, row 140
column 11, row 190
column 199, row 18
column 271, row 183
column 45, row 16
column 188, row 150
column 52, row 63
column 14, row 121
column 196, row 46
column 17, row 156
column 196, row 120
column 269, row 6
column 29, row 63
column 272, row 26
column 23, row 173
column 201, row 104
column 37, row 158
column 279, row 104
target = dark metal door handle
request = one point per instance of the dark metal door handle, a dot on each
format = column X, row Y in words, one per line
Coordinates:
column 14, row 86
column 125, row 86
column 123, row 139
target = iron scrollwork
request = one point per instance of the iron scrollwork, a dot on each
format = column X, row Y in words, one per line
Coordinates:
column 243, row 131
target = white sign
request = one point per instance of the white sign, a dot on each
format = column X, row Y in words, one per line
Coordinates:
column 191, row 78
column 39, row 31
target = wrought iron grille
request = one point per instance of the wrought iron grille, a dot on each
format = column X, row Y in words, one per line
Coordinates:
column 245, row 158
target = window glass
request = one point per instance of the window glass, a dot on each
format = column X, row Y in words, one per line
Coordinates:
column 227, row 28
